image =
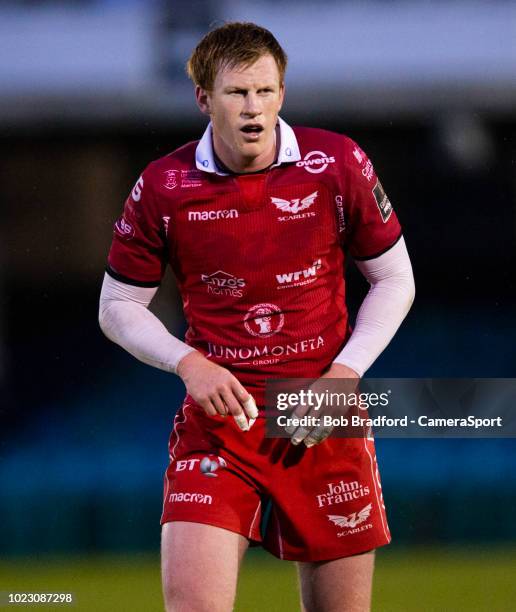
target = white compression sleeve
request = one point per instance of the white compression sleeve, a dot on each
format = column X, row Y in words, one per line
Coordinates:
column 385, row 306
column 125, row 319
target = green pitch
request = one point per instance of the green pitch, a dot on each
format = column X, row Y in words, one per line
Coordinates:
column 406, row 580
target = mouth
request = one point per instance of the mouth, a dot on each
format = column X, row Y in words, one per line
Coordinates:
column 252, row 131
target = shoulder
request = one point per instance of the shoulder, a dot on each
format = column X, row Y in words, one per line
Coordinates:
column 158, row 181
column 172, row 166
column 315, row 141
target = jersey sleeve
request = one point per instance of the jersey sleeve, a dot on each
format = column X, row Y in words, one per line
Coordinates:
column 138, row 251
column 371, row 225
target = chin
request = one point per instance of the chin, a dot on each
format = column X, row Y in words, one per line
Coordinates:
column 252, row 149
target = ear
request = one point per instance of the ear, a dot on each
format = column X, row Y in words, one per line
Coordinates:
column 203, row 100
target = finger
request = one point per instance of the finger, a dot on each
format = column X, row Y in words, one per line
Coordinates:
column 299, row 435
column 241, row 421
column 232, row 403
column 299, row 413
column 290, row 429
column 237, row 398
column 235, row 409
column 240, row 393
column 220, row 407
column 318, row 435
column 208, row 408
column 250, row 408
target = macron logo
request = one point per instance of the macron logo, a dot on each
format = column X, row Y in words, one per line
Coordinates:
column 212, row 215
column 195, row 498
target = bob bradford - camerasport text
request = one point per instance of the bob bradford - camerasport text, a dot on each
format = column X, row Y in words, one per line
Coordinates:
column 383, row 421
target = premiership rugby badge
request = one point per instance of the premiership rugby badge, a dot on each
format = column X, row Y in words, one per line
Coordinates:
column 382, row 201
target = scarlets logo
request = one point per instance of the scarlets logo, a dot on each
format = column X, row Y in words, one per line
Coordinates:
column 295, row 207
column 353, row 519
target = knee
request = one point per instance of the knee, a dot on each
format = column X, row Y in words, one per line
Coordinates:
column 187, row 597
column 178, row 600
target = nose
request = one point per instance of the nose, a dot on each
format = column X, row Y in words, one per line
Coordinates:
column 252, row 106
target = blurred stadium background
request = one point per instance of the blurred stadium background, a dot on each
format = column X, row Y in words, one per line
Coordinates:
column 90, row 92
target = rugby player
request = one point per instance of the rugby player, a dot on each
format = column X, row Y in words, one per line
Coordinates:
column 255, row 220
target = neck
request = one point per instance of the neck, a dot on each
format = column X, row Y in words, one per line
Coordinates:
column 223, row 168
column 243, row 165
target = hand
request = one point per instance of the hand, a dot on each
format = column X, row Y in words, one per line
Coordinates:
column 216, row 390
column 318, row 434
column 339, row 370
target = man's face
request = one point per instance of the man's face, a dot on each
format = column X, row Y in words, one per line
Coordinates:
column 243, row 108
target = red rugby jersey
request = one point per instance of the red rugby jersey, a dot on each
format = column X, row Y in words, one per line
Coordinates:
column 259, row 258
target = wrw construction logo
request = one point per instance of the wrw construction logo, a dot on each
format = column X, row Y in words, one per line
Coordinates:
column 299, row 277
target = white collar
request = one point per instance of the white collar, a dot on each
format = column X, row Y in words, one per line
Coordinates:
column 288, row 152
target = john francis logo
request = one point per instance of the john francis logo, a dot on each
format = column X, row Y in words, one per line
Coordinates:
column 340, row 492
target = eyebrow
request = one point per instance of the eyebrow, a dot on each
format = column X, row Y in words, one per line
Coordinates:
column 243, row 88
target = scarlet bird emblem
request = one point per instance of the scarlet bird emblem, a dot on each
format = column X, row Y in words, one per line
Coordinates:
column 353, row 519
column 296, row 205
